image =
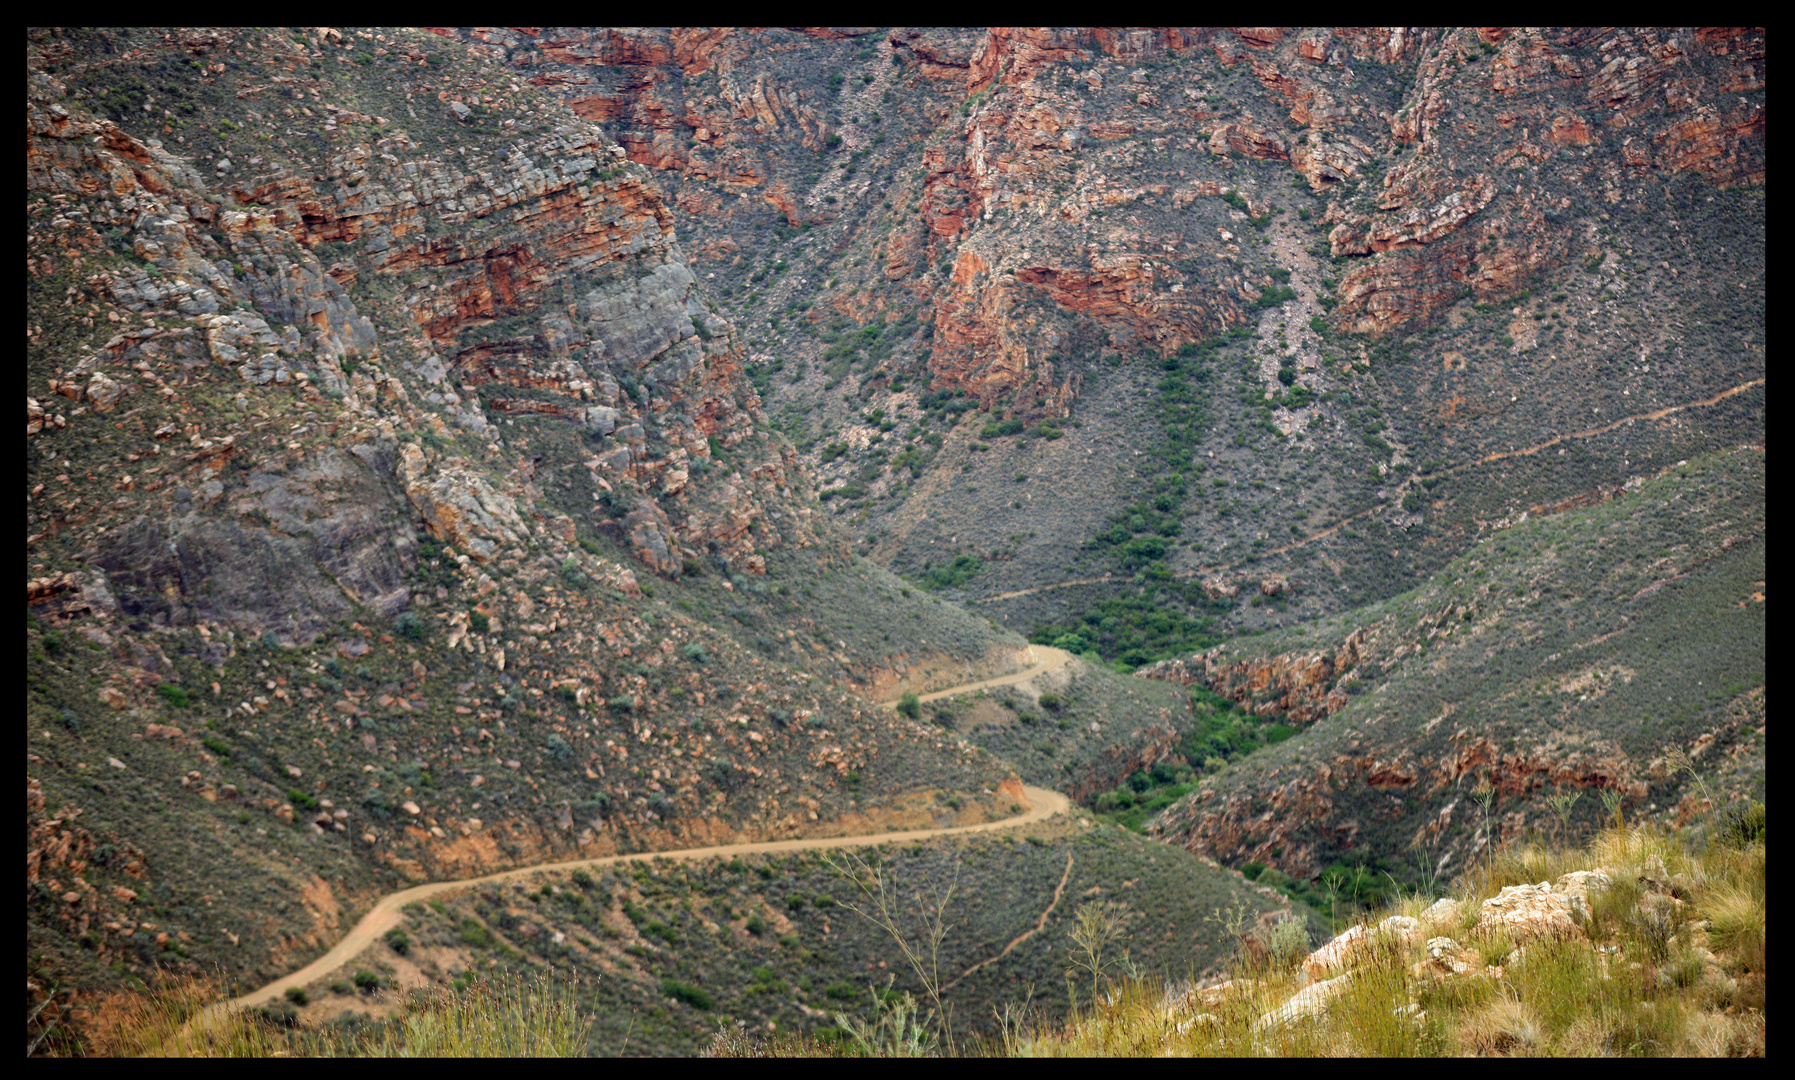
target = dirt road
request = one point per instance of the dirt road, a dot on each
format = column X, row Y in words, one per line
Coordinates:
column 1042, row 659
column 386, row 913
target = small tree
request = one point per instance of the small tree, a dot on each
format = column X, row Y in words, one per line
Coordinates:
column 910, row 705
column 1561, row 809
column 884, row 908
column 1096, row 926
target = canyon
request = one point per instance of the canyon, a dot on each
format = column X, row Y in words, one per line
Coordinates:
column 457, row 449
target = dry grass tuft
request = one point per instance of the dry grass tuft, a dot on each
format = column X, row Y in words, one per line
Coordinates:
column 1504, row 1026
column 172, row 1020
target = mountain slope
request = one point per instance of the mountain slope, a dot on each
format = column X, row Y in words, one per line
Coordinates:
column 964, row 260
column 349, row 595
column 1576, row 655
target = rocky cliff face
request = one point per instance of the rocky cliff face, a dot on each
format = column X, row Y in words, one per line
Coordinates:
column 370, row 398
column 1029, row 144
column 1024, row 216
column 1299, row 686
column 568, row 255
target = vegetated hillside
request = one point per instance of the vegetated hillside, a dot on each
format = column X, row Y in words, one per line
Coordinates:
column 407, row 492
column 1573, row 655
column 397, row 509
column 970, row 266
column 665, row 955
column 1080, row 730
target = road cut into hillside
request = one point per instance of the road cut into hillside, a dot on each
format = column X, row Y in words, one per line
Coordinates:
column 1041, row 660
column 387, row 911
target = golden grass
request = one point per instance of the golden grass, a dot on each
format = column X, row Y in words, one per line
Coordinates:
column 1504, row 1026
column 169, row 1021
column 186, row 1018
column 1639, row 984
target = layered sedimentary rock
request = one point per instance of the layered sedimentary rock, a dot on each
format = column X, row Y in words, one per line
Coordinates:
column 559, row 242
column 1474, row 155
column 1298, row 686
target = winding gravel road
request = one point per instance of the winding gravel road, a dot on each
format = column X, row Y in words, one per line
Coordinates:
column 387, row 913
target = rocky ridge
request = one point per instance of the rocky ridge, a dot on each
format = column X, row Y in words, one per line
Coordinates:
column 1017, row 205
column 366, row 411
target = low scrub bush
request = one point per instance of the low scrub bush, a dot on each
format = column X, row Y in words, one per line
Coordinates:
column 694, row 996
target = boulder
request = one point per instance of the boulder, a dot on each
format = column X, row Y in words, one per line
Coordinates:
column 1336, row 954
column 103, row 392
column 1580, row 887
column 1443, row 914
column 1528, row 911
column 1309, row 1001
column 461, row 508
column 1219, row 588
column 1446, row 957
column 1401, row 926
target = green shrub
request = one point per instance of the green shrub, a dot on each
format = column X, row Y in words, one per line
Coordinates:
column 303, row 800
column 216, row 745
column 756, row 925
column 910, row 705
column 478, row 622
column 1742, row 826
column 297, row 995
column 399, row 941
column 472, row 933
column 695, row 653
column 963, row 569
column 172, row 695
column 367, row 980
column 409, row 626
column 691, row 995
column 1273, row 295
